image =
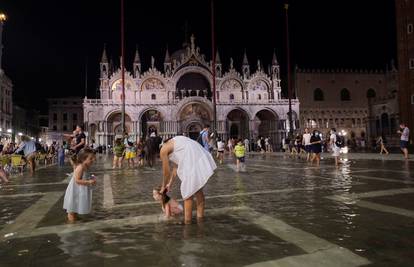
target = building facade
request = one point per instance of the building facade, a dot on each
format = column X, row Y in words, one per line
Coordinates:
column 6, row 93
column 25, row 122
column 64, row 115
column 405, row 53
column 178, row 100
column 362, row 103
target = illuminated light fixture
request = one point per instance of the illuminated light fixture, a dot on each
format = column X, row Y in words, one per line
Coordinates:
column 20, row 134
column 1, row 129
column 3, row 17
column 9, row 130
column 40, row 139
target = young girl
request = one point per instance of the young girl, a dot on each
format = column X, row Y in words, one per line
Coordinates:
column 78, row 196
column 220, row 150
column 169, row 206
column 119, row 150
column 61, row 155
column 3, row 175
column 240, row 153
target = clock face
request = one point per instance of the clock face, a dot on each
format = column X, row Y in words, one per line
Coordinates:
column 117, row 85
column 152, row 84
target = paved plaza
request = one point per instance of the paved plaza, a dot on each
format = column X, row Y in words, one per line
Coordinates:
column 279, row 212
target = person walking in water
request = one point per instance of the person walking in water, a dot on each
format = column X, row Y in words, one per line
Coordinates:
column 405, row 137
column 193, row 165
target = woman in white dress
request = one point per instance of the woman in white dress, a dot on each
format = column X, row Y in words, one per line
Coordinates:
column 194, row 166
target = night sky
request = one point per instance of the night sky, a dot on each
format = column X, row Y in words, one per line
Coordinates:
column 47, row 43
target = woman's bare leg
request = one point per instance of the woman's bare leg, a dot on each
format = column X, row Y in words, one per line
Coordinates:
column 200, row 205
column 188, row 208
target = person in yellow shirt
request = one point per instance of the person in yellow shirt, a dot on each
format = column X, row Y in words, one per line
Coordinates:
column 240, row 153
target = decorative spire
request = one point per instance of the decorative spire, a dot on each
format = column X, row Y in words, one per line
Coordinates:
column 152, row 62
column 167, row 56
column 259, row 65
column 245, row 60
column 218, row 60
column 274, row 60
column 192, row 39
column 104, row 58
column 231, row 64
column 137, row 59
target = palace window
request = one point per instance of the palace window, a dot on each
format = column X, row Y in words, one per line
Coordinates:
column 65, row 116
column 231, row 97
column 259, row 97
column 65, row 128
column 54, row 116
column 371, row 93
column 74, row 117
column 345, row 95
column 54, row 128
column 410, row 28
column 153, row 97
column 318, row 95
column 411, row 64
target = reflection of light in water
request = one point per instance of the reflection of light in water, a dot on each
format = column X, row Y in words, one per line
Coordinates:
column 240, row 188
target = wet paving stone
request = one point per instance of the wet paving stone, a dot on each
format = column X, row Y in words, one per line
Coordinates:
column 292, row 212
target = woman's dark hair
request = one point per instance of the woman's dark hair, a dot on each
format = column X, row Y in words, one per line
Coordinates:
column 82, row 156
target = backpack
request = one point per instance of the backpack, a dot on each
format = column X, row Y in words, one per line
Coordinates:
column 200, row 139
column 340, row 142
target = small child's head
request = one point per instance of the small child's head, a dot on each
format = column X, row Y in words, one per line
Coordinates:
column 158, row 196
column 118, row 141
column 240, row 142
column 85, row 156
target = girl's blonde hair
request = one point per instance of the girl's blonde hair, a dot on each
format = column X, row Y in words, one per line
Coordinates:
column 82, row 156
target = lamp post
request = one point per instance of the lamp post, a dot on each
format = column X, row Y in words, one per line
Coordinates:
column 2, row 20
column 288, row 73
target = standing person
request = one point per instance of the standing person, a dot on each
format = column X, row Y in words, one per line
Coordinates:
column 381, row 141
column 28, row 147
column 405, row 135
column 220, row 150
column 240, row 153
column 141, row 152
column 230, row 146
column 316, row 147
column 61, row 155
column 130, row 154
column 78, row 139
column 262, row 145
column 307, row 143
column 267, row 144
column 247, row 145
column 78, row 195
column 336, row 150
column 119, row 150
column 205, row 137
column 194, row 166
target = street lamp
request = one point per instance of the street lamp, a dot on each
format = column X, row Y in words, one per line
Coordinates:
column 3, row 17
column 20, row 134
column 9, row 130
column 2, row 20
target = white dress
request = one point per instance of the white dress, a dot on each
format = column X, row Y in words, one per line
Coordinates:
column 78, row 198
column 195, row 165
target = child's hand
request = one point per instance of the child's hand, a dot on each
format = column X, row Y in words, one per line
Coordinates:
column 92, row 182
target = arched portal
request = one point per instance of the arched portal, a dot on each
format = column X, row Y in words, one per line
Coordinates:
column 238, row 124
column 150, row 122
column 192, row 117
column 114, row 126
column 266, row 123
column 193, row 84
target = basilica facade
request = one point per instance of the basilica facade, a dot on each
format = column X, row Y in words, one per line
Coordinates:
column 179, row 99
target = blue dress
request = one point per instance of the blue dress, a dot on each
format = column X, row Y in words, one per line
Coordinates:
column 78, row 198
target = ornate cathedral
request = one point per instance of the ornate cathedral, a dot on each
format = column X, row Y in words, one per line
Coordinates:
column 179, row 99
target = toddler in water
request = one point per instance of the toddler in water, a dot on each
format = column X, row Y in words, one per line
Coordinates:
column 240, row 152
column 169, row 206
column 78, row 196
